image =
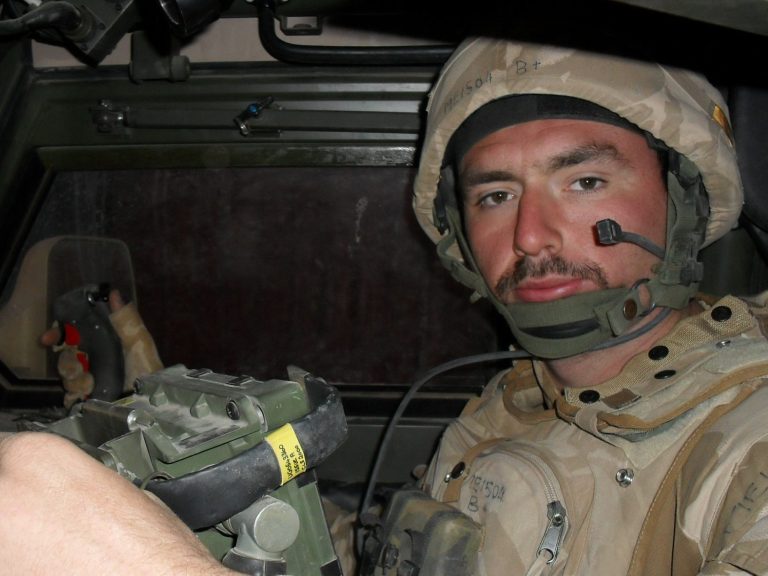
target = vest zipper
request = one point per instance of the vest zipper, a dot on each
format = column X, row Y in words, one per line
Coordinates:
column 555, row 531
column 549, row 547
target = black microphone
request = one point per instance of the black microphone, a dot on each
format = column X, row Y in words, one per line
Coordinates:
column 609, row 233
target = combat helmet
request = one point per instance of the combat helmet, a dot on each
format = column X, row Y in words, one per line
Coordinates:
column 489, row 84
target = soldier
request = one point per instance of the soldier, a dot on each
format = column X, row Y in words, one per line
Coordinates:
column 574, row 191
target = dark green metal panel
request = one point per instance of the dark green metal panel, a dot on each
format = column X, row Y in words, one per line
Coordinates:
column 97, row 118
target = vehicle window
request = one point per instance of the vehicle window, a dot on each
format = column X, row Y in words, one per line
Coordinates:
column 245, row 271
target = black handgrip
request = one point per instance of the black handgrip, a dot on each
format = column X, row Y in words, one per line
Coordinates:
column 211, row 495
column 86, row 310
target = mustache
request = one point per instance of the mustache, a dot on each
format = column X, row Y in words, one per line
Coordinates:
column 556, row 265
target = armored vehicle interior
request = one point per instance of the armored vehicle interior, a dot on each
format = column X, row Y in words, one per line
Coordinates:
column 241, row 171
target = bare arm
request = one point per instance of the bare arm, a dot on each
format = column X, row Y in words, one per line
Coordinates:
column 65, row 513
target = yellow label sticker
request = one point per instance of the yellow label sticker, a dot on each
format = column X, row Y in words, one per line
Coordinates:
column 721, row 118
column 288, row 451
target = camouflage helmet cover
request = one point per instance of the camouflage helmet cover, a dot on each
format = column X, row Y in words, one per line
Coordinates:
column 678, row 107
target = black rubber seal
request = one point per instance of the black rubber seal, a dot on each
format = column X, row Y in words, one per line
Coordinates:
column 204, row 498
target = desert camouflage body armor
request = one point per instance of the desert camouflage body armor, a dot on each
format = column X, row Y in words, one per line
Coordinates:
column 660, row 470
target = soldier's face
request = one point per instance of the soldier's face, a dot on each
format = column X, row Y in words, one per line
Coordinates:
column 533, row 193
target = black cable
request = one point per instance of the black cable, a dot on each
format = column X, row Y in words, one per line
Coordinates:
column 465, row 361
column 45, row 35
column 450, row 365
column 56, row 14
column 344, row 55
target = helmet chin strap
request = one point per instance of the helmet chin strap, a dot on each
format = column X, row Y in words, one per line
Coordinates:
column 602, row 318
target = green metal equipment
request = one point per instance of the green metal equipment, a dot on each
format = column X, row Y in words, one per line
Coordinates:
column 232, row 456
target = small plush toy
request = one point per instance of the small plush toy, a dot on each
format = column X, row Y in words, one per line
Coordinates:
column 72, row 365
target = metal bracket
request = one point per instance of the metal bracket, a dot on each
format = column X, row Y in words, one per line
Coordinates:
column 155, row 58
column 109, row 117
column 253, row 110
column 301, row 25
